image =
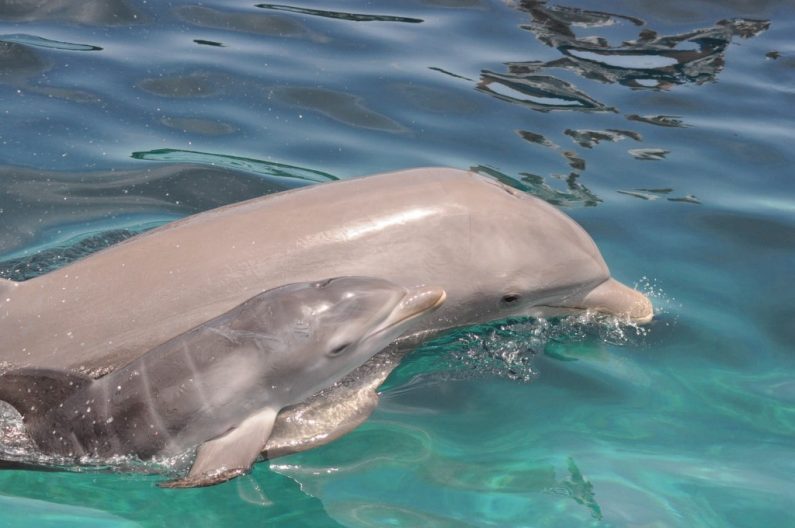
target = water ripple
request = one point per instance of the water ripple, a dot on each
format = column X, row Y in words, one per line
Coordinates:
column 650, row 61
column 41, row 42
column 659, row 120
column 245, row 21
column 351, row 17
column 93, row 12
column 340, row 106
column 589, row 138
column 539, row 92
column 281, row 172
column 648, row 153
column 53, row 209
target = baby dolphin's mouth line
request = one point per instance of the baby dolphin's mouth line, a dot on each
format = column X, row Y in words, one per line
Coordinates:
column 415, row 302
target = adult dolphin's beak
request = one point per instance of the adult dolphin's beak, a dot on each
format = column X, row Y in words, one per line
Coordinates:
column 615, row 298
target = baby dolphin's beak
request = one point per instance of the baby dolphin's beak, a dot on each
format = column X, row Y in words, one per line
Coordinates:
column 615, row 298
column 420, row 300
column 415, row 302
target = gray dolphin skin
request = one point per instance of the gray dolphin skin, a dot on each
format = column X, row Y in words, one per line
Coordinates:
column 220, row 385
column 496, row 251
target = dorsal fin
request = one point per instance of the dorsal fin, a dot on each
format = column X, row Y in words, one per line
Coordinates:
column 33, row 392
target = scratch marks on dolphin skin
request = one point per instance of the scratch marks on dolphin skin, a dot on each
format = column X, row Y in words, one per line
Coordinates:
column 196, row 377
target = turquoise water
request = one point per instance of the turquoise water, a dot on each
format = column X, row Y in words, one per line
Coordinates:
column 674, row 151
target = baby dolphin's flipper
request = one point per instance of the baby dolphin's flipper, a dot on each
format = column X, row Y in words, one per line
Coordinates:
column 230, row 455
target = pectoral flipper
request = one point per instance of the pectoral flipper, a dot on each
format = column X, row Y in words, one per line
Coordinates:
column 231, row 455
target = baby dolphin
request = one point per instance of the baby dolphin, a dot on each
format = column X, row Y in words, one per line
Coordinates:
column 220, row 385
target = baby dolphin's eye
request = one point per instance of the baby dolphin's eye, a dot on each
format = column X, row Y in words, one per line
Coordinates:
column 510, row 298
column 339, row 350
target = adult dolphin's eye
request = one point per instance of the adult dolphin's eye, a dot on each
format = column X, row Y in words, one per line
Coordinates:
column 510, row 298
column 339, row 350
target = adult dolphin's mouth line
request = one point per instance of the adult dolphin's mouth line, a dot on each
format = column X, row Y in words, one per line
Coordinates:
column 612, row 297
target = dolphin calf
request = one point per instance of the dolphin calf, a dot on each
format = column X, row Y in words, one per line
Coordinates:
column 496, row 251
column 220, row 385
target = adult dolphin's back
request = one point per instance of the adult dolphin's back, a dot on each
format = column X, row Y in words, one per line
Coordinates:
column 495, row 250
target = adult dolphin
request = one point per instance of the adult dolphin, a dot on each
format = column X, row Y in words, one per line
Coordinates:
column 496, row 251
column 220, row 385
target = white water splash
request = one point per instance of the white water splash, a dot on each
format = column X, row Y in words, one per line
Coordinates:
column 508, row 349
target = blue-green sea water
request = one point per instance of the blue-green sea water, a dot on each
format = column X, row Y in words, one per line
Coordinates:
column 665, row 127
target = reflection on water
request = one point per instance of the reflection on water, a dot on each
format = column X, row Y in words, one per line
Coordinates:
column 53, row 209
column 208, row 43
column 288, row 175
column 47, row 514
column 41, row 42
column 259, row 23
column 654, row 194
column 649, row 61
column 574, row 193
column 94, row 12
column 339, row 106
column 659, row 120
column 589, row 138
column 51, row 258
column 352, row 17
column 18, row 61
column 648, row 153
column 539, row 92
column 77, row 214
